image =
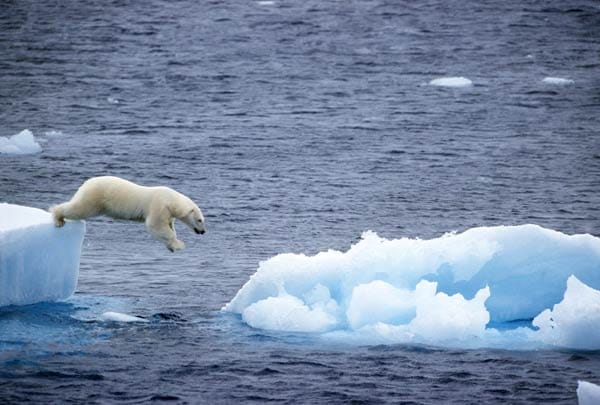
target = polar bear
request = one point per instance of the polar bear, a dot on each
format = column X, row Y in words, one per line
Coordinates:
column 117, row 198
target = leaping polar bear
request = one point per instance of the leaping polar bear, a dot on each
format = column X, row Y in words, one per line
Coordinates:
column 117, row 198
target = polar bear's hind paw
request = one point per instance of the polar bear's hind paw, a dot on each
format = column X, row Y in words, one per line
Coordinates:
column 59, row 219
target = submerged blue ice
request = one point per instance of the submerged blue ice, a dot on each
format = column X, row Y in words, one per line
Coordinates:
column 38, row 262
column 466, row 289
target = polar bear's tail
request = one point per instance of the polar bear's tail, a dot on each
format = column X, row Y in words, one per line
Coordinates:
column 57, row 215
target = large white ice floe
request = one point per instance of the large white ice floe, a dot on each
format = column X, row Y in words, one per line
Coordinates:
column 38, row 262
column 470, row 287
column 23, row 143
column 588, row 393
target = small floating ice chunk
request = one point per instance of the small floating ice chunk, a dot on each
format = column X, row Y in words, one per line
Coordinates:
column 119, row 317
column 588, row 393
column 53, row 133
column 557, row 80
column 22, row 143
column 451, row 82
column 38, row 262
column 575, row 321
column 265, row 3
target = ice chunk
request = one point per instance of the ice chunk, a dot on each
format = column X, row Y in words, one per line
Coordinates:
column 447, row 288
column 22, row 143
column 288, row 313
column 379, row 301
column 588, row 393
column 557, row 80
column 575, row 321
column 438, row 318
column 441, row 317
column 38, row 262
column 451, row 82
column 119, row 317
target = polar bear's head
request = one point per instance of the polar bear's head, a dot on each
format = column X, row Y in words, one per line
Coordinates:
column 189, row 213
column 195, row 220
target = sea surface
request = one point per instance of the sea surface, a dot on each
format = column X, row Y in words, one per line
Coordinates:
column 296, row 126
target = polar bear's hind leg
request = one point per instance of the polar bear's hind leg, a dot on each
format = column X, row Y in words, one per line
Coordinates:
column 73, row 209
column 57, row 215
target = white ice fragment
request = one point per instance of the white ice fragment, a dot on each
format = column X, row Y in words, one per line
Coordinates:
column 442, row 317
column 575, row 321
column 437, row 319
column 557, row 80
column 38, row 262
column 265, row 3
column 588, row 393
column 22, row 143
column 53, row 133
column 119, row 317
column 379, row 301
column 288, row 313
column 451, row 82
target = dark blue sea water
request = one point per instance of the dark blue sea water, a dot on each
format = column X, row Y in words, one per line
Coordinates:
column 296, row 126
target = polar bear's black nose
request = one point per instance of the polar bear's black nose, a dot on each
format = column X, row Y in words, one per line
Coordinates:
column 200, row 232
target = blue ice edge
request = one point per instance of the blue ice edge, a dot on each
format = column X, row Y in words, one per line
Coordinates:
column 515, row 287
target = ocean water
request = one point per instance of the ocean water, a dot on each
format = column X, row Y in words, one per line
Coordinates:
column 296, row 126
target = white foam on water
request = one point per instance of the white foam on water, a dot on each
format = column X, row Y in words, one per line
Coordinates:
column 451, row 82
column 23, row 143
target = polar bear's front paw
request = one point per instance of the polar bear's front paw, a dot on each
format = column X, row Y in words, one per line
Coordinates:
column 175, row 245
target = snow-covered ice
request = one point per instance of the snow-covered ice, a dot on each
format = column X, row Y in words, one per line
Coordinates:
column 38, row 262
column 453, row 288
column 451, row 82
column 588, row 393
column 557, row 80
column 23, row 143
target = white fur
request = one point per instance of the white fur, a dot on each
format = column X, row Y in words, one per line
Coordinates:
column 117, row 198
